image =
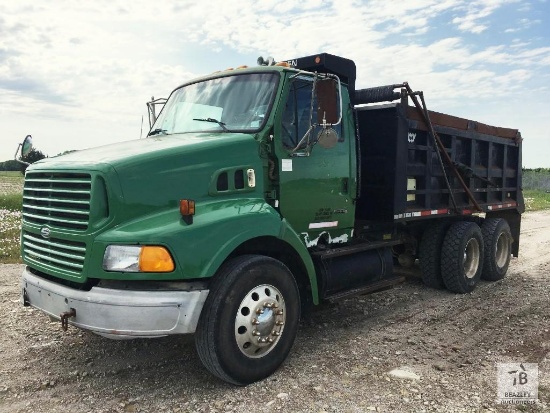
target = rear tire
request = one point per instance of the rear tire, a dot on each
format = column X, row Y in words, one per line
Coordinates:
column 462, row 257
column 249, row 320
column 497, row 240
column 430, row 254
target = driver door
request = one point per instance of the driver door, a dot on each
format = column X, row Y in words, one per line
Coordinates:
column 314, row 190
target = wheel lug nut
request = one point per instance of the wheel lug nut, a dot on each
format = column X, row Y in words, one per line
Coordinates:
column 268, row 305
column 275, row 333
column 256, row 333
column 260, row 311
column 255, row 321
column 270, row 340
column 280, row 323
column 279, row 312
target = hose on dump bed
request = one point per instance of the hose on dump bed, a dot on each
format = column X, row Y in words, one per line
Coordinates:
column 376, row 94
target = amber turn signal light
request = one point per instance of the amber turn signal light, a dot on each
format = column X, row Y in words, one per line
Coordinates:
column 187, row 207
column 155, row 259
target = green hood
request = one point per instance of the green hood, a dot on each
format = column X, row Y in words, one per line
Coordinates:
column 154, row 147
column 146, row 175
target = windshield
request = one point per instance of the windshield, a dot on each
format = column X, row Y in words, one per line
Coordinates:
column 237, row 103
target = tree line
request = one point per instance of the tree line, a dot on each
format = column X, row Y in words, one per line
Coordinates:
column 12, row 165
column 545, row 170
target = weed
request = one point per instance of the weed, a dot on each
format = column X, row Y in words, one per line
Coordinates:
column 12, row 202
column 536, row 199
column 10, row 229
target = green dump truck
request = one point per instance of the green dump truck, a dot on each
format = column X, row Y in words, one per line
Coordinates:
column 261, row 190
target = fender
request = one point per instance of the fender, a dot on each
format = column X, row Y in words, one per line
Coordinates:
column 200, row 248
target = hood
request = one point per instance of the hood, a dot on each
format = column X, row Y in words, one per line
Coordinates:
column 146, row 175
column 120, row 153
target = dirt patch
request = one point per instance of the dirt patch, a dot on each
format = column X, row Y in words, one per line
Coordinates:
column 340, row 363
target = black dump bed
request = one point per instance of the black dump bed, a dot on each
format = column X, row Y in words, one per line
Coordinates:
column 400, row 176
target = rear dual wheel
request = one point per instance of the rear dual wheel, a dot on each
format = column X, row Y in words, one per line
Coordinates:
column 462, row 256
column 498, row 248
column 430, row 254
column 456, row 256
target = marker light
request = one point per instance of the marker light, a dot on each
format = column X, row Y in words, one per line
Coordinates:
column 187, row 207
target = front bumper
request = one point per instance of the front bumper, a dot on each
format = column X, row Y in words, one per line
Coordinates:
column 117, row 313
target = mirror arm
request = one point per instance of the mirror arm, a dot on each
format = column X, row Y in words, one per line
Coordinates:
column 312, row 125
column 15, row 156
column 306, row 135
column 17, row 151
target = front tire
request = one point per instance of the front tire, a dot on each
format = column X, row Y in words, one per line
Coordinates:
column 462, row 257
column 498, row 248
column 249, row 320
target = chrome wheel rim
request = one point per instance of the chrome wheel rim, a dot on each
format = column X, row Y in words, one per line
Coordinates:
column 260, row 321
column 502, row 250
column 471, row 258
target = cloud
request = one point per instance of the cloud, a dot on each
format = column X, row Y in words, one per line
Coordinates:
column 475, row 12
column 35, row 89
column 97, row 63
column 523, row 24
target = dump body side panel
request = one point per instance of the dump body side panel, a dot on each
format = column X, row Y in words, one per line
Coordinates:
column 402, row 179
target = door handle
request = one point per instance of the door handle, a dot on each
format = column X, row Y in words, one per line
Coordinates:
column 345, row 185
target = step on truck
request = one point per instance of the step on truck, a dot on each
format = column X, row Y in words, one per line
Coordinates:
column 258, row 191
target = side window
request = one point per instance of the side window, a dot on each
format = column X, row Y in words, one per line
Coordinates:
column 299, row 113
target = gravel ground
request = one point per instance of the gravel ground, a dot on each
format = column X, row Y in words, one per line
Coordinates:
column 339, row 363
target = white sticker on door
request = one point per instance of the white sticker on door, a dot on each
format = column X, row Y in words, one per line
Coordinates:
column 286, row 165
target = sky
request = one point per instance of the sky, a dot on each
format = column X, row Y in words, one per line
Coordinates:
column 76, row 75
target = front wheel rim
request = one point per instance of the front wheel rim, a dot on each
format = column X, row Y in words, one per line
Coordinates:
column 260, row 321
column 471, row 258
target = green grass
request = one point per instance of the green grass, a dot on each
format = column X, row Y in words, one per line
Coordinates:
column 534, row 179
column 11, row 182
column 11, row 173
column 536, row 199
column 10, row 228
column 11, row 203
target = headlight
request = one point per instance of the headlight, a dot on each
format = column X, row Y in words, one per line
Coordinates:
column 133, row 258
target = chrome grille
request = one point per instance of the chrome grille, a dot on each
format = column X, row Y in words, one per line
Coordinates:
column 61, row 254
column 57, row 199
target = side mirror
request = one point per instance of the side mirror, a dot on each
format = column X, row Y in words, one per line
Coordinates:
column 26, row 148
column 327, row 138
column 328, row 100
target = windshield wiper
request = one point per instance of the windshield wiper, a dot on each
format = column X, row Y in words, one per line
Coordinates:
column 157, row 131
column 212, row 120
